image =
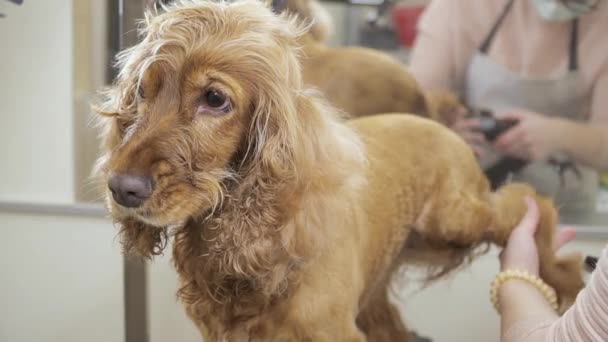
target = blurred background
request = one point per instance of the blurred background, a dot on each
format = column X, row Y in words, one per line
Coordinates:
column 63, row 277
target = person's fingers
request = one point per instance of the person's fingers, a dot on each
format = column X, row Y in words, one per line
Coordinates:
column 518, row 150
column 473, row 137
column 510, row 137
column 511, row 115
column 460, row 113
column 468, row 124
column 563, row 236
column 529, row 222
column 455, row 115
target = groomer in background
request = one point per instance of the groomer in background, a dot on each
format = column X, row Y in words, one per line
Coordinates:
column 543, row 63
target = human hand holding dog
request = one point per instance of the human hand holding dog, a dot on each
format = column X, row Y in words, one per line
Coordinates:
column 520, row 301
column 521, row 252
column 535, row 137
column 468, row 129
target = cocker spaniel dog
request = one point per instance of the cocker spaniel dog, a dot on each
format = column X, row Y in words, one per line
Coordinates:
column 287, row 223
column 360, row 81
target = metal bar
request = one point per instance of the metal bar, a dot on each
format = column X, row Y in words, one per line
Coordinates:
column 136, row 301
column 114, row 33
column 79, row 209
column 123, row 22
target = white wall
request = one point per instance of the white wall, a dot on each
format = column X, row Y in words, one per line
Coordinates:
column 62, row 280
column 90, row 68
column 36, row 101
column 453, row 310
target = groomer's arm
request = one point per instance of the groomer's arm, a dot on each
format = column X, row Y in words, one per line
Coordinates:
column 526, row 314
column 537, row 136
column 527, row 317
column 588, row 143
column 523, row 308
column 436, row 60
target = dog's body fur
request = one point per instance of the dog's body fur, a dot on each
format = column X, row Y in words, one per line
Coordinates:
column 289, row 222
column 360, row 81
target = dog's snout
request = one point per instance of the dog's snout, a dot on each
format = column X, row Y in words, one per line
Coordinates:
column 129, row 190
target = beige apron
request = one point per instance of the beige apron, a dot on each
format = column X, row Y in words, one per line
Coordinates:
column 492, row 86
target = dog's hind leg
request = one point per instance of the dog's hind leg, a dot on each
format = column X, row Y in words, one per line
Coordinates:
column 380, row 321
column 467, row 218
column 563, row 274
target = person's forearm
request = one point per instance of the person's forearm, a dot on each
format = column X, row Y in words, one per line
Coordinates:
column 586, row 319
column 527, row 317
column 522, row 302
column 585, row 143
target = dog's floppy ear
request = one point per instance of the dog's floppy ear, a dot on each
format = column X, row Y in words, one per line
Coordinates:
column 274, row 132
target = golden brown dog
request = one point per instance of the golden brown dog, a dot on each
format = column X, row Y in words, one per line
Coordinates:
column 287, row 223
column 360, row 81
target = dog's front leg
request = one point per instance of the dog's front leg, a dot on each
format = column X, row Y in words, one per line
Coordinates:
column 322, row 329
column 320, row 315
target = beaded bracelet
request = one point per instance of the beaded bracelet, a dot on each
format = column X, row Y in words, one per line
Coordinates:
column 547, row 291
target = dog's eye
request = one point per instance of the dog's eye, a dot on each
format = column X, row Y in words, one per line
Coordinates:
column 214, row 101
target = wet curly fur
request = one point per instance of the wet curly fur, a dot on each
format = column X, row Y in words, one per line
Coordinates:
column 287, row 223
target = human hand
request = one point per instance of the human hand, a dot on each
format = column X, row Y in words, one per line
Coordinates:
column 521, row 252
column 534, row 138
column 469, row 130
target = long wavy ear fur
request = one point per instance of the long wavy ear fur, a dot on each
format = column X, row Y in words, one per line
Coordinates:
column 297, row 165
column 307, row 157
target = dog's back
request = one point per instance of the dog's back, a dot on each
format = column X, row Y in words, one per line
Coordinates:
column 362, row 81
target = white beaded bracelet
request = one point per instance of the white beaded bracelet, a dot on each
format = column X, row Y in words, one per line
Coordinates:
column 547, row 291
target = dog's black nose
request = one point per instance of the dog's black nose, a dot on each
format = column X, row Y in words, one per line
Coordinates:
column 129, row 190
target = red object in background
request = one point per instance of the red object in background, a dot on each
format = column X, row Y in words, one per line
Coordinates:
column 405, row 20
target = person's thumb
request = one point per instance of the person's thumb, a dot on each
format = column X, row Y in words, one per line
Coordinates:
column 529, row 222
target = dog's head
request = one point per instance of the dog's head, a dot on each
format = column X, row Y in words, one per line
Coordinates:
column 192, row 104
column 211, row 96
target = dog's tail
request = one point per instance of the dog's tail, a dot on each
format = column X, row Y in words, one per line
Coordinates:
column 443, row 106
